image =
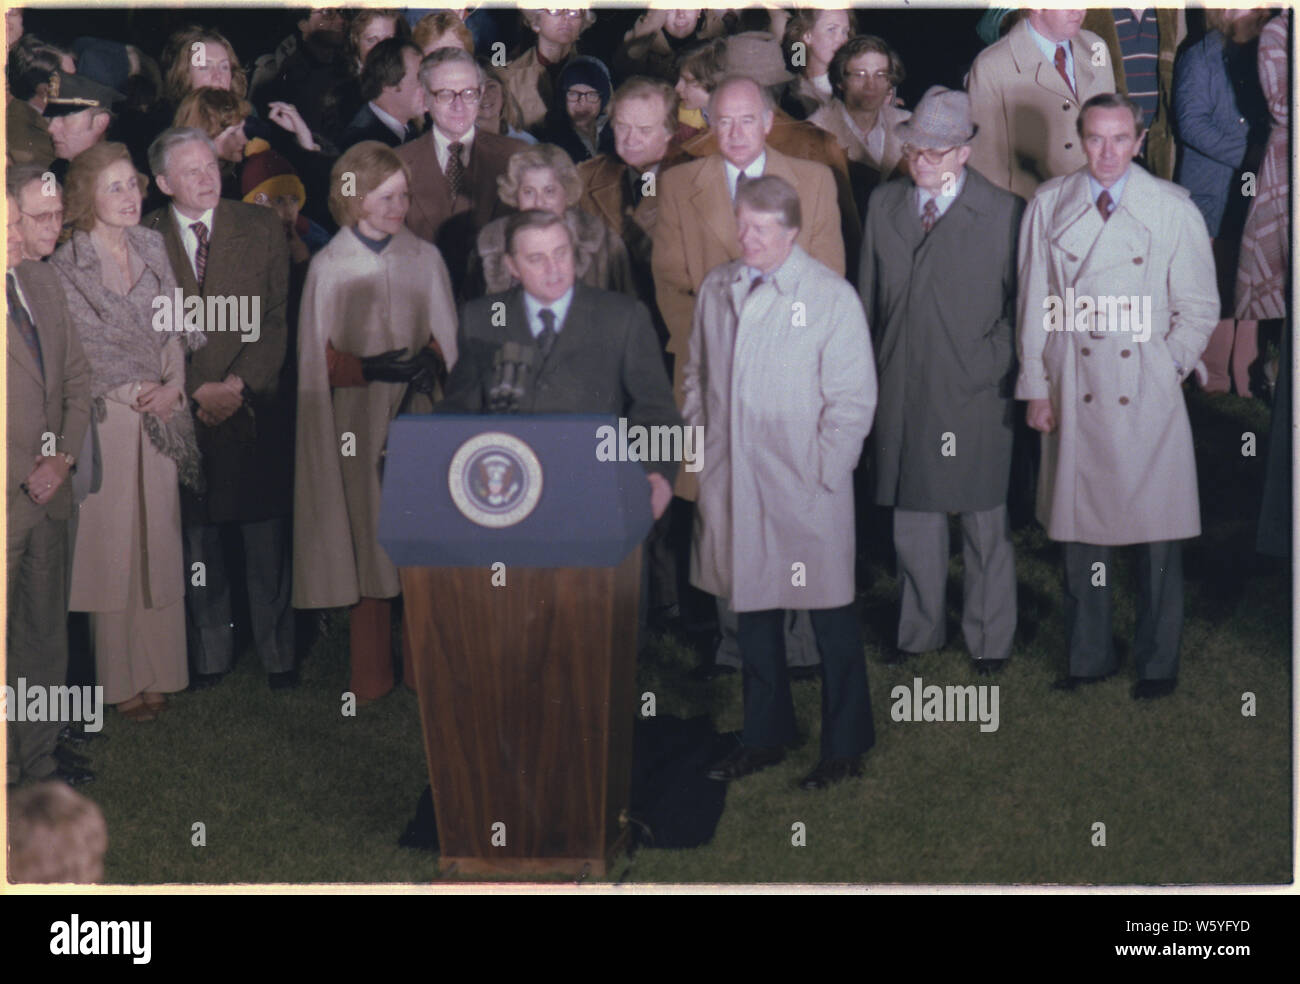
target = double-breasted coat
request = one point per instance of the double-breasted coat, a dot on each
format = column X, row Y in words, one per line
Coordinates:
column 364, row 304
column 783, row 382
column 1026, row 113
column 942, row 313
column 1119, row 467
column 247, row 458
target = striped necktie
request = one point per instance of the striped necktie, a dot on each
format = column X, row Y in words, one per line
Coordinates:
column 201, row 254
column 22, row 320
column 929, row 215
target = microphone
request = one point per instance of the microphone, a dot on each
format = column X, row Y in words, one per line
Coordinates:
column 512, row 366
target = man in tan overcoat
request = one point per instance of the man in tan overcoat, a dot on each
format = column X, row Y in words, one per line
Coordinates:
column 1025, row 93
column 781, row 377
column 1117, row 301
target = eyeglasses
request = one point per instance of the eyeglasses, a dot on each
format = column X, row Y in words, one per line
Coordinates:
column 565, row 13
column 46, row 218
column 445, row 97
column 931, row 156
column 575, row 96
column 862, row 75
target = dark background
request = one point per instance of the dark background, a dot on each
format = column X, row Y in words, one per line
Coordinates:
column 937, row 45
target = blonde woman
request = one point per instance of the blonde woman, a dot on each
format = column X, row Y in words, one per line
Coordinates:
column 127, row 567
column 544, row 177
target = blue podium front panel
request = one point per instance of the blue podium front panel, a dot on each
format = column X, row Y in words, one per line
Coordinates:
column 523, row 490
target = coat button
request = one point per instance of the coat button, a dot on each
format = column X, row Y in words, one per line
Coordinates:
column 1065, row 106
column 1123, row 401
column 1086, row 351
column 1069, row 146
column 1087, row 397
column 1124, row 353
column 1137, row 261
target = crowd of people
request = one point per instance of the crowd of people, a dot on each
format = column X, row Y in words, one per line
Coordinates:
column 222, row 264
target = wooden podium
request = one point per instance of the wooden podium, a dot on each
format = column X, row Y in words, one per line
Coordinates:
column 520, row 564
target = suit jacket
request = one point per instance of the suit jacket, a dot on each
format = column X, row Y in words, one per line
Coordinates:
column 1160, row 150
column 247, row 459
column 57, row 402
column 604, row 360
column 1026, row 113
column 1119, row 468
column 942, row 309
column 432, row 216
column 801, row 139
column 367, row 126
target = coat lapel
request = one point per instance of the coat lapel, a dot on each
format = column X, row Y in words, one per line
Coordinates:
column 227, row 251
column 18, row 348
column 711, row 202
column 180, row 262
column 429, row 189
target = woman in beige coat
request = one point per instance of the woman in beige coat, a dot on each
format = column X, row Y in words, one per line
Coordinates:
column 377, row 311
column 127, row 567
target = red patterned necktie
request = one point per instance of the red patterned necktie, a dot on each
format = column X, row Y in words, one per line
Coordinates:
column 1060, row 67
column 201, row 254
column 929, row 215
column 455, row 169
column 1105, row 205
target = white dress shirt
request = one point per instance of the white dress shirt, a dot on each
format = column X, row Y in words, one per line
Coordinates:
column 533, row 308
column 755, row 170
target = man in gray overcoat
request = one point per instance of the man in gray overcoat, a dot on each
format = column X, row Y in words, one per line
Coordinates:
column 780, row 376
column 938, row 282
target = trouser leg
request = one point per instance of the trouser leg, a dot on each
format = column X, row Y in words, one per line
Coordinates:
column 921, row 543
column 988, row 620
column 769, row 708
column 209, row 627
column 269, row 568
column 847, row 727
column 371, row 638
column 1088, row 609
column 1159, row 609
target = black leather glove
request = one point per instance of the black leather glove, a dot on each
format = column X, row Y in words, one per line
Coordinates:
column 431, row 370
column 389, row 367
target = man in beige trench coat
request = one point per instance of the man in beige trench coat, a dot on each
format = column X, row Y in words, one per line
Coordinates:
column 782, row 379
column 1117, row 302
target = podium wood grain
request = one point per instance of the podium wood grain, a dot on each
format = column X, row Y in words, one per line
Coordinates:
column 526, row 697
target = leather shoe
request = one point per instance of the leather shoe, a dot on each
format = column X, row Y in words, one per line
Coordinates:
column 1068, row 683
column 73, row 775
column 830, row 771
column 205, row 681
column 743, row 761
column 285, row 680
column 66, row 756
column 77, row 735
column 1152, row 689
column 988, row 667
column 893, row 656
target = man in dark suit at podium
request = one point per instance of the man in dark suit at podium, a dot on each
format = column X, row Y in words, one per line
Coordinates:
column 555, row 346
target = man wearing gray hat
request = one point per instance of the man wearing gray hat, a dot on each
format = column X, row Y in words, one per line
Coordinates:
column 938, row 282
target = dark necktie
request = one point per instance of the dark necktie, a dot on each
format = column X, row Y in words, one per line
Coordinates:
column 1060, row 67
column 742, row 179
column 455, row 169
column 201, row 254
column 20, row 319
column 546, row 338
column 929, row 216
column 1105, row 205
column 755, row 284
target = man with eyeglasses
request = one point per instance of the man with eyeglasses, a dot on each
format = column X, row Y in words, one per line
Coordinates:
column 534, row 77
column 454, row 167
column 40, row 202
column 938, row 281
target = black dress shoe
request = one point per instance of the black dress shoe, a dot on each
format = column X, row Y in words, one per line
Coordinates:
column 743, row 761
column 205, row 681
column 285, row 680
column 66, row 756
column 1068, row 683
column 1152, row 689
column 893, row 656
column 77, row 735
column 73, row 775
column 988, row 667
column 830, row 771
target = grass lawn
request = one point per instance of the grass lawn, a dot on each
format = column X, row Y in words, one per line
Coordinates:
column 1189, row 789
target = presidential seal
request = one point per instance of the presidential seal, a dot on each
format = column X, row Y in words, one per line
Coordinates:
column 495, row 480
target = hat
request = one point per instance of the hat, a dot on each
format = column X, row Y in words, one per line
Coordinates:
column 270, row 174
column 756, row 55
column 74, row 93
column 105, row 62
column 941, row 119
column 585, row 70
